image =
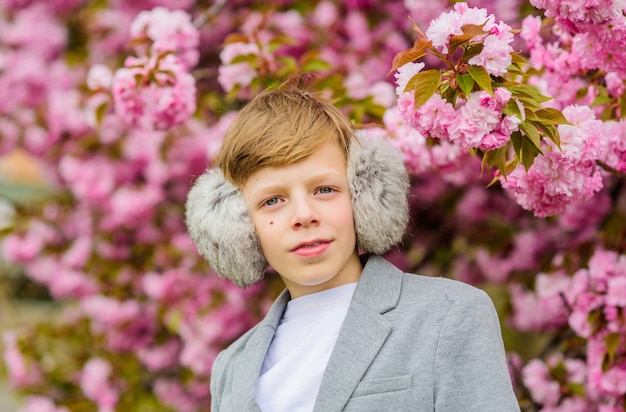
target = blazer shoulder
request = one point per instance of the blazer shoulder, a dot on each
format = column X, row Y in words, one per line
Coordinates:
column 440, row 289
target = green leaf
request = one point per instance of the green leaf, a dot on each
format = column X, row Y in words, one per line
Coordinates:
column 316, row 65
column 600, row 100
column 531, row 91
column 518, row 58
column 551, row 116
column 497, row 158
column 465, row 82
column 419, row 49
column 101, row 110
column 531, row 131
column 472, row 50
column 551, row 131
column 577, row 389
column 528, row 152
column 511, row 107
column 469, row 32
column 595, row 319
column 612, row 341
column 424, row 85
column 530, row 115
column 529, row 102
column 516, row 138
column 480, row 76
column 608, row 113
column 245, row 58
column 622, row 106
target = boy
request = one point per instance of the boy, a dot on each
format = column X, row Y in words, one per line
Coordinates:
column 297, row 190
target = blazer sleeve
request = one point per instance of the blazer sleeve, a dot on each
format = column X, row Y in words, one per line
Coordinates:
column 217, row 382
column 471, row 372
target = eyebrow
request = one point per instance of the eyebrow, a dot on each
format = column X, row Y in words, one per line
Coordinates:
column 315, row 179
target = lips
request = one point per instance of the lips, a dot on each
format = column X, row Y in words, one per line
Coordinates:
column 311, row 248
column 309, row 245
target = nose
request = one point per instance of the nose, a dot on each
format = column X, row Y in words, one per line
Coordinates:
column 304, row 213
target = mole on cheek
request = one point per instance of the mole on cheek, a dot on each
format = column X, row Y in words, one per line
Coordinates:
column 271, row 222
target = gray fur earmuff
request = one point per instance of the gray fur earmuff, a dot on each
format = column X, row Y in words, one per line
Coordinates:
column 219, row 223
column 379, row 185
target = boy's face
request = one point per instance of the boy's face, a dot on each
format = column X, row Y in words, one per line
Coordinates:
column 302, row 215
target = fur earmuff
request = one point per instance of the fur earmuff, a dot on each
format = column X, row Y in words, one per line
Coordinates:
column 379, row 184
column 219, row 223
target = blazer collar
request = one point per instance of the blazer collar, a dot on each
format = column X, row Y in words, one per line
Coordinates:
column 363, row 333
column 248, row 368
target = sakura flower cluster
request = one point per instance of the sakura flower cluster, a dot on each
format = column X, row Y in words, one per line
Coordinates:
column 155, row 91
column 495, row 55
column 478, row 122
column 598, row 31
column 591, row 302
column 565, row 174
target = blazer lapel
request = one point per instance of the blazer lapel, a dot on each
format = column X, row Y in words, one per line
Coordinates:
column 248, row 368
column 363, row 333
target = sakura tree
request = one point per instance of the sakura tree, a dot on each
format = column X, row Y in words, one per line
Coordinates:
column 508, row 113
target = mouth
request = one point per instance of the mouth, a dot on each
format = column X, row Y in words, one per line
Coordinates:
column 310, row 245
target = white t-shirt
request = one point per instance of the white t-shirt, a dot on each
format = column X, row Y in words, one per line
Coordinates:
column 298, row 354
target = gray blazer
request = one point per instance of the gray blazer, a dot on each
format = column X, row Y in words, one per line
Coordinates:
column 408, row 343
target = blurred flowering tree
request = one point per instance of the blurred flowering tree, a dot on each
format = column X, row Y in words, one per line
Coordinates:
column 509, row 115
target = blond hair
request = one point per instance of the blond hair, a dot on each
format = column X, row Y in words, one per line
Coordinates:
column 278, row 128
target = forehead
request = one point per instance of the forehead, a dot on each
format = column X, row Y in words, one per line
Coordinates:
column 327, row 162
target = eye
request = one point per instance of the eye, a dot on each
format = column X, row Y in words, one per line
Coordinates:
column 271, row 201
column 325, row 190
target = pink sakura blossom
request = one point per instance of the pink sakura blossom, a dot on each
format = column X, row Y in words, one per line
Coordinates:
column 446, row 25
column 479, row 116
column 154, row 93
column 614, row 84
column 99, row 77
column 233, row 74
column 166, row 31
column 40, row 404
column 62, row 281
column 358, row 31
column 22, row 371
column 561, row 176
column 536, row 377
column 78, row 253
column 173, row 394
column 160, row 357
column 408, row 141
column 432, row 119
column 126, row 325
column 24, row 78
column 95, row 382
column 110, row 312
column 614, row 381
column 413, row 147
column 495, row 56
column 47, row 41
column 552, row 394
column 325, row 14
column 598, row 31
column 90, row 180
column 22, row 248
column 583, row 217
column 427, row 11
column 543, row 310
column 132, row 207
column 615, row 153
column 531, row 31
column 581, row 11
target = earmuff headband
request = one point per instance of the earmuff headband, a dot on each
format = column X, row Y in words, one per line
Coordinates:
column 219, row 223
